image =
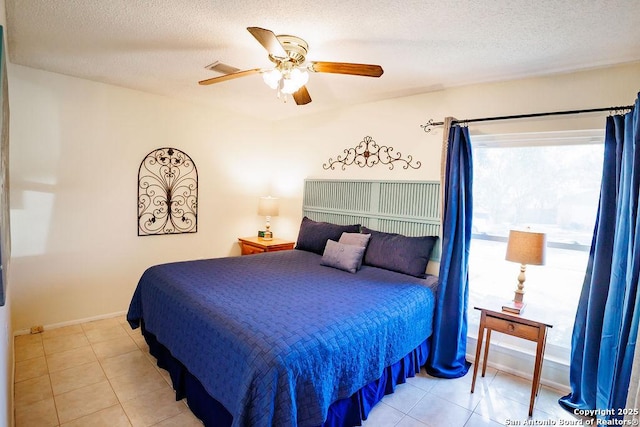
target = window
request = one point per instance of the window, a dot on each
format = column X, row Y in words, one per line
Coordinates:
column 550, row 182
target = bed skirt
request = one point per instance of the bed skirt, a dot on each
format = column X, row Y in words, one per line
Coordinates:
column 345, row 412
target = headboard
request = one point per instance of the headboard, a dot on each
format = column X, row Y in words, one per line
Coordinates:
column 411, row 208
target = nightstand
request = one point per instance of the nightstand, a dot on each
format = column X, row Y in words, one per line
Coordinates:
column 518, row 326
column 256, row 245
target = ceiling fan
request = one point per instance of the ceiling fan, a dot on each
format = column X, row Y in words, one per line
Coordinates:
column 290, row 73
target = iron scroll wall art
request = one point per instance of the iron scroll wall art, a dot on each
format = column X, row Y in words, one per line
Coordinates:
column 167, row 193
column 369, row 153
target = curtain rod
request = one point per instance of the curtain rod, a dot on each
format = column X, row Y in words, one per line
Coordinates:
column 431, row 124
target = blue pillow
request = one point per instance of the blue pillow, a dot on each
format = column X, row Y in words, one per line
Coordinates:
column 313, row 235
column 342, row 256
column 408, row 255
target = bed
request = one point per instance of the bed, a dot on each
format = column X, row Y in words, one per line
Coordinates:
column 308, row 337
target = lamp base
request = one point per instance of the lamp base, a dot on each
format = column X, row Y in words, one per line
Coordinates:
column 514, row 307
column 265, row 235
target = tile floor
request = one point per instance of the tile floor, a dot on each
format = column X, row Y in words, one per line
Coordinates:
column 101, row 374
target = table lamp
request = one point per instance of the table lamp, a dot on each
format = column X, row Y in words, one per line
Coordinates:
column 267, row 206
column 525, row 247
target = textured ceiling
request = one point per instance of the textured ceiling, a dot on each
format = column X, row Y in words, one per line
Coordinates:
column 162, row 46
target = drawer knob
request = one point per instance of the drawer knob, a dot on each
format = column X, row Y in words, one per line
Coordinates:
column 511, row 327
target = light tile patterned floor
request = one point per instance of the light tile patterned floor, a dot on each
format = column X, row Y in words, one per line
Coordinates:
column 94, row 374
column 101, row 374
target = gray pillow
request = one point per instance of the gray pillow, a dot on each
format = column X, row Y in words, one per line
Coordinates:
column 355, row 239
column 342, row 256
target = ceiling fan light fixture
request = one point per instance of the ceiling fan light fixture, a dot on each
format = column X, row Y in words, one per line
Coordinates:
column 272, row 78
column 287, row 80
column 294, row 81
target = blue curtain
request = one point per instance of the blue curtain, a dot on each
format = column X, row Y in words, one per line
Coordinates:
column 449, row 340
column 606, row 325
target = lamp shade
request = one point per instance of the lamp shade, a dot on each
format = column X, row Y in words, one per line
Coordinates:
column 527, row 247
column 268, row 206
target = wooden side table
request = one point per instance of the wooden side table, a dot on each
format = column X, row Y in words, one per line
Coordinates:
column 518, row 326
column 256, row 245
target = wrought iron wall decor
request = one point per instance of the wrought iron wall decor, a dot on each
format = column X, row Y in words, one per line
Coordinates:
column 167, row 193
column 369, row 153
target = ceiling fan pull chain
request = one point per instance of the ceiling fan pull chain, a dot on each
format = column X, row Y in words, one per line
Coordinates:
column 280, row 86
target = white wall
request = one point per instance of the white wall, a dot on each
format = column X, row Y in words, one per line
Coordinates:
column 76, row 149
column 312, row 140
column 6, row 328
column 306, row 144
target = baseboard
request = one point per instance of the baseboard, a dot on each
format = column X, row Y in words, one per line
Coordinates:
column 501, row 358
column 555, row 374
column 71, row 322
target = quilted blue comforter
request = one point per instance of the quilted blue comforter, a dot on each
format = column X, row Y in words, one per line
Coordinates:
column 276, row 338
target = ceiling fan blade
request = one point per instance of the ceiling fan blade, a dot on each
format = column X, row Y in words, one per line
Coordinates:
column 368, row 70
column 269, row 41
column 229, row 76
column 301, row 96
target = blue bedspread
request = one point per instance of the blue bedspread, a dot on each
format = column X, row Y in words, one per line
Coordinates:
column 276, row 338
